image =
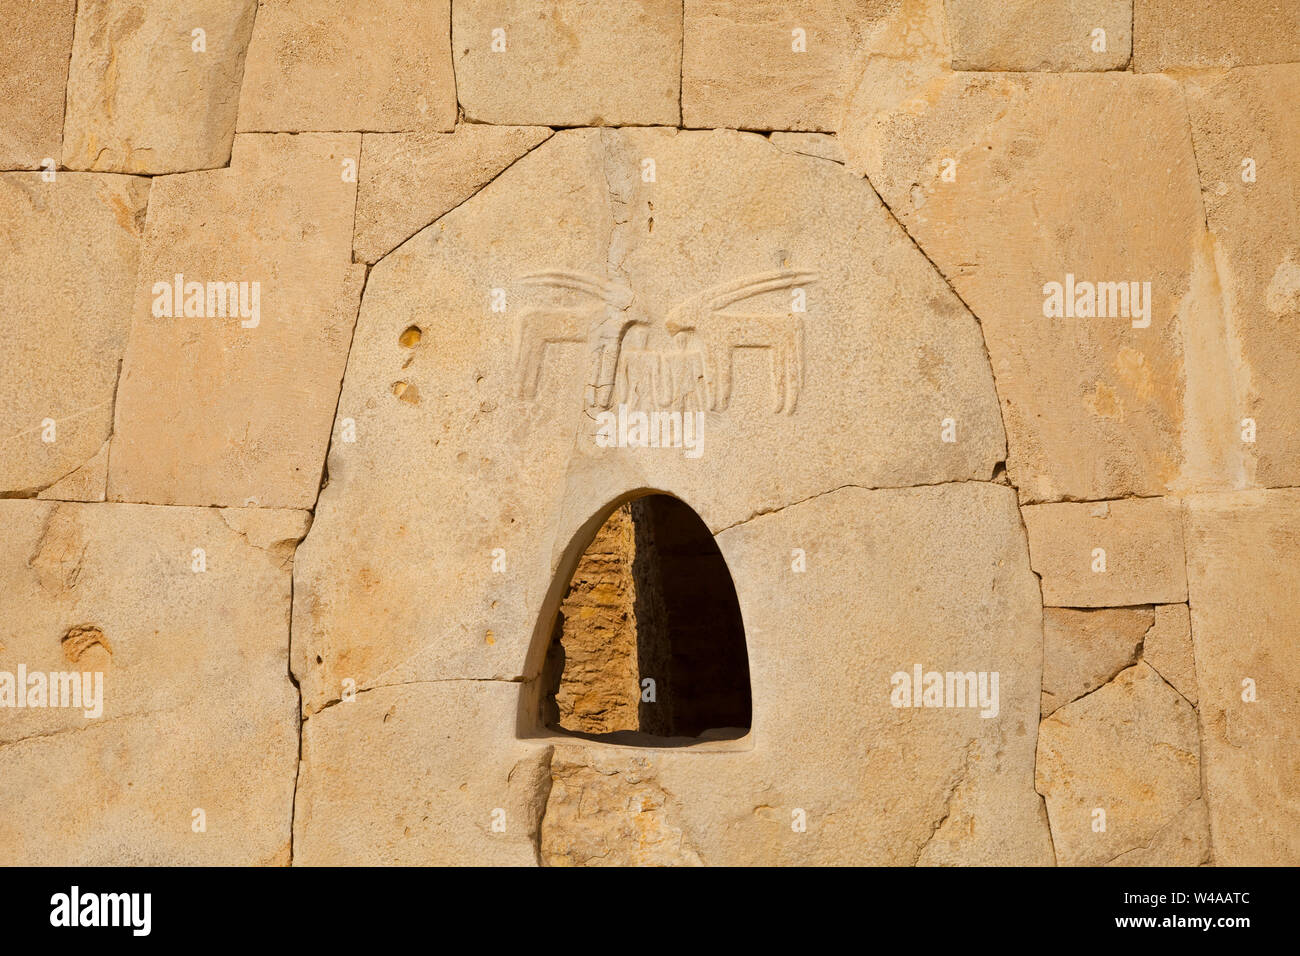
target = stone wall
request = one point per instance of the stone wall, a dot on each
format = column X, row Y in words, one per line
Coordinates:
column 330, row 326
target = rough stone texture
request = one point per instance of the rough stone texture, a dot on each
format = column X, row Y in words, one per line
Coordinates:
column 140, row 98
column 740, row 68
column 1168, row 648
column 35, row 44
column 334, row 65
column 1143, row 541
column 1094, row 408
column 210, row 412
column 569, row 62
column 1129, row 749
column 407, row 180
column 1036, row 35
column 1168, row 34
column 198, row 708
column 884, row 341
column 821, row 145
column 1184, row 841
column 1248, row 113
column 1084, row 649
column 1244, row 572
column 67, row 271
column 439, row 758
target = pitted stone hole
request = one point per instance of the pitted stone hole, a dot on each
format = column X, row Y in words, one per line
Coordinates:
column 648, row 643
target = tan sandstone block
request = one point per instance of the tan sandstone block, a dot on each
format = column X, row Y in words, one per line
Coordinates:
column 770, row 64
column 1183, row 841
column 1168, row 648
column 1168, row 34
column 35, row 43
column 1129, row 750
column 336, row 65
column 1056, row 35
column 219, row 409
column 197, row 707
column 1084, row 649
column 1240, row 115
column 1243, row 576
column 68, row 272
column 141, row 99
column 569, row 62
column 1142, row 541
column 1095, row 407
column 407, row 180
column 445, row 393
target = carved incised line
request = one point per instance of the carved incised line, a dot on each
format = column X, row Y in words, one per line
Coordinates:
column 686, row 360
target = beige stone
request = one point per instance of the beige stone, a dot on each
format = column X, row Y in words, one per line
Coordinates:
column 1143, row 544
column 1168, row 34
column 487, row 408
column 141, row 98
column 1242, row 115
column 1129, row 750
column 569, row 63
column 1057, row 35
column 1168, row 648
column 1094, row 407
column 744, row 65
column 1243, row 575
column 335, row 65
column 821, row 145
column 68, row 270
column 1184, row 841
column 35, row 43
column 1084, row 649
column 407, row 180
column 214, row 409
column 198, row 711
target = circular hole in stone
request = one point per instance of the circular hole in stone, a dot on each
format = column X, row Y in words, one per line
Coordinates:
column 410, row 338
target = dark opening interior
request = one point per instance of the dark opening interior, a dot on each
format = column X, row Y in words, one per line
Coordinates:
column 650, row 601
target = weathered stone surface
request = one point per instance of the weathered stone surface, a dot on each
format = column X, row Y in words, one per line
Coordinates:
column 770, row 64
column 1143, row 543
column 88, row 483
column 214, row 409
column 953, row 590
column 1244, row 572
column 569, row 63
column 1130, row 750
column 1094, row 407
column 507, row 431
column 1168, row 34
column 68, row 269
column 1168, row 648
column 1032, row 35
column 821, row 145
column 35, row 43
column 1084, row 649
column 407, row 180
column 141, row 98
column 1242, row 115
column 198, row 711
column 442, row 761
column 335, row 65
column 1184, row 841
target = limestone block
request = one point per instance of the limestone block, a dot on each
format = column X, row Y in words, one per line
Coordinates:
column 1168, row 648
column 821, row 145
column 1243, row 575
column 225, row 405
column 68, row 272
column 35, row 43
column 500, row 410
column 1057, row 35
column 569, row 62
column 1244, row 125
column 1128, row 750
column 1084, row 649
column 986, row 172
column 196, row 709
column 336, row 65
column 146, row 94
column 1169, row 34
column 1142, row 543
column 407, row 180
